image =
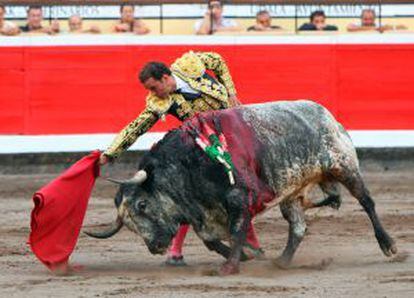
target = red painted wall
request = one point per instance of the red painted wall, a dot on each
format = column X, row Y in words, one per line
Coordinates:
column 94, row 89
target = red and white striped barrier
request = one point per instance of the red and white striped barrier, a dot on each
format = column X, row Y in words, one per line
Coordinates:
column 72, row 93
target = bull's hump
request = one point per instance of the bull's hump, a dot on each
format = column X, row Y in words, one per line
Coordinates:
column 282, row 104
column 290, row 133
column 306, row 108
column 285, row 118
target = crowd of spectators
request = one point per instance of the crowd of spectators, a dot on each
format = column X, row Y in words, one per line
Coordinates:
column 212, row 22
column 34, row 23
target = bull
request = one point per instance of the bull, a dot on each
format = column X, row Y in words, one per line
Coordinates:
column 293, row 147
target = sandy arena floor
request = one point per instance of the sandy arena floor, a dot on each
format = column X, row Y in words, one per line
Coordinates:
column 338, row 258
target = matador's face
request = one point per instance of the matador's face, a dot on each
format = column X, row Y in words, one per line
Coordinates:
column 162, row 87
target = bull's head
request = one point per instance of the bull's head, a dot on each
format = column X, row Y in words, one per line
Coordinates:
column 145, row 212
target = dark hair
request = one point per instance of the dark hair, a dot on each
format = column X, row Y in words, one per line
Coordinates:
column 122, row 6
column 262, row 12
column 33, row 7
column 153, row 70
column 317, row 13
column 3, row 7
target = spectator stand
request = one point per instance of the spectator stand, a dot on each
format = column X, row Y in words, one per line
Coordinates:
column 178, row 16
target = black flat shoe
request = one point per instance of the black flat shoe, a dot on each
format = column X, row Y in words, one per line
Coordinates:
column 175, row 261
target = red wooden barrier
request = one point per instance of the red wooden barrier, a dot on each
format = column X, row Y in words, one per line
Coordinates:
column 94, row 89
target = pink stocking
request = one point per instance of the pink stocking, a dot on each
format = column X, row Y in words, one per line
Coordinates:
column 251, row 237
column 178, row 241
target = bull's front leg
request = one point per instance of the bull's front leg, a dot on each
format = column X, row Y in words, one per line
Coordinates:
column 239, row 220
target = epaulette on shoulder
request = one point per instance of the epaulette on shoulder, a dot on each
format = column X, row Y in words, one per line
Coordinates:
column 189, row 65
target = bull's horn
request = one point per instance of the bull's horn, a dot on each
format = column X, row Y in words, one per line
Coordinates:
column 138, row 178
column 115, row 181
column 112, row 230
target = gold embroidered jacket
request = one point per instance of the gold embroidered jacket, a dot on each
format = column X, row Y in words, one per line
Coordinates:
column 191, row 68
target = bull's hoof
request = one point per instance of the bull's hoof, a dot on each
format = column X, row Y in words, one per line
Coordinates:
column 331, row 201
column 228, row 269
column 175, row 261
column 282, row 263
column 250, row 253
column 334, row 202
column 387, row 245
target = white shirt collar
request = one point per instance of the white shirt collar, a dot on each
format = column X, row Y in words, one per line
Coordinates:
column 183, row 85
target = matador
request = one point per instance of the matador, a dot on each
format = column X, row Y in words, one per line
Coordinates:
column 182, row 90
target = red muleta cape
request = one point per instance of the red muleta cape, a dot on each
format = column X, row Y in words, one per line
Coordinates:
column 59, row 209
column 245, row 149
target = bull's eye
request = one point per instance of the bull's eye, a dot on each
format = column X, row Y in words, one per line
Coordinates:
column 140, row 205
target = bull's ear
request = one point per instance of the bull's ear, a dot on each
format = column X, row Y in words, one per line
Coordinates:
column 151, row 165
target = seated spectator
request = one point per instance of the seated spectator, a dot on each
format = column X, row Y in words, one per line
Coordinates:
column 214, row 21
column 367, row 23
column 317, row 23
column 263, row 22
column 76, row 26
column 34, row 22
column 6, row 27
column 128, row 23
